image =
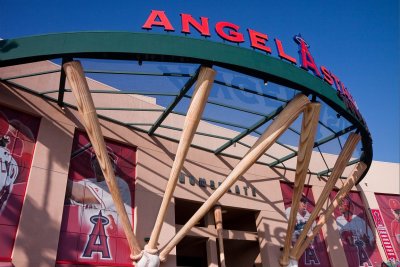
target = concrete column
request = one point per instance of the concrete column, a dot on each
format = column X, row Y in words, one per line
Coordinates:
column 39, row 229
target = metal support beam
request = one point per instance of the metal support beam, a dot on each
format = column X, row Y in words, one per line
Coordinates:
column 330, row 169
column 249, row 130
column 182, row 93
column 167, row 74
column 28, row 75
column 250, row 91
column 248, row 146
column 214, row 121
column 318, row 143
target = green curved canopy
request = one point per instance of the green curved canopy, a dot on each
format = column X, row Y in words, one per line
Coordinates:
column 179, row 49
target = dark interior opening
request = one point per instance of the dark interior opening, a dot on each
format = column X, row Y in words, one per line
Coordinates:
column 239, row 219
column 184, row 210
column 192, row 252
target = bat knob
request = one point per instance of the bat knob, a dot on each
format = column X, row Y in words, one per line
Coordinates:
column 293, row 263
column 148, row 260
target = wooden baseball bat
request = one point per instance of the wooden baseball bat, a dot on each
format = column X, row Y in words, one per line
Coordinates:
column 337, row 171
column 80, row 88
column 196, row 108
column 348, row 185
column 218, row 226
column 266, row 140
column 306, row 145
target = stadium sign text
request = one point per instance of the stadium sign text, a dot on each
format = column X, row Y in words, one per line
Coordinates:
column 231, row 32
column 246, row 190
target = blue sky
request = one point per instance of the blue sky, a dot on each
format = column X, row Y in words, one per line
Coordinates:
column 357, row 40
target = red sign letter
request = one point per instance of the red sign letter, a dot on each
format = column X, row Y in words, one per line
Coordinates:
column 158, row 18
column 327, row 75
column 282, row 53
column 233, row 35
column 258, row 40
column 202, row 27
column 307, row 61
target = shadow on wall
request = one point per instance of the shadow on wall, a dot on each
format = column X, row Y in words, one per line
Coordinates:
column 38, row 255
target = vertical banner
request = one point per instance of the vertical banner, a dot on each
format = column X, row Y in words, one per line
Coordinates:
column 356, row 234
column 384, row 235
column 315, row 254
column 389, row 206
column 18, row 133
column 91, row 232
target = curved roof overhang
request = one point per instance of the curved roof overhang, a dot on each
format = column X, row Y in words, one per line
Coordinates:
column 169, row 48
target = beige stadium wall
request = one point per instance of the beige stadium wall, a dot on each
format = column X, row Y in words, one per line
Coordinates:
column 38, row 232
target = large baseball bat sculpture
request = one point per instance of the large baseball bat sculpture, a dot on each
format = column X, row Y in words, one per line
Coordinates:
column 350, row 182
column 80, row 89
column 337, row 171
column 218, row 226
column 192, row 120
column 267, row 139
column 308, row 131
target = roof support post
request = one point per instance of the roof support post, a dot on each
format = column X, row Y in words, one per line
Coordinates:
column 218, row 226
column 61, row 87
column 192, row 120
column 266, row 140
column 80, row 88
column 337, row 171
column 307, row 137
column 350, row 182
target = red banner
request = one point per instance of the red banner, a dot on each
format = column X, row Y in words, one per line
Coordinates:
column 91, row 232
column 389, row 206
column 18, row 132
column 315, row 254
column 384, row 235
column 358, row 240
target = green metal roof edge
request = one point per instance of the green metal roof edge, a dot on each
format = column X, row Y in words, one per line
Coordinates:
column 166, row 47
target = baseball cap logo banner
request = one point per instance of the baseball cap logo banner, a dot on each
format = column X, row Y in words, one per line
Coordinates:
column 91, row 230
